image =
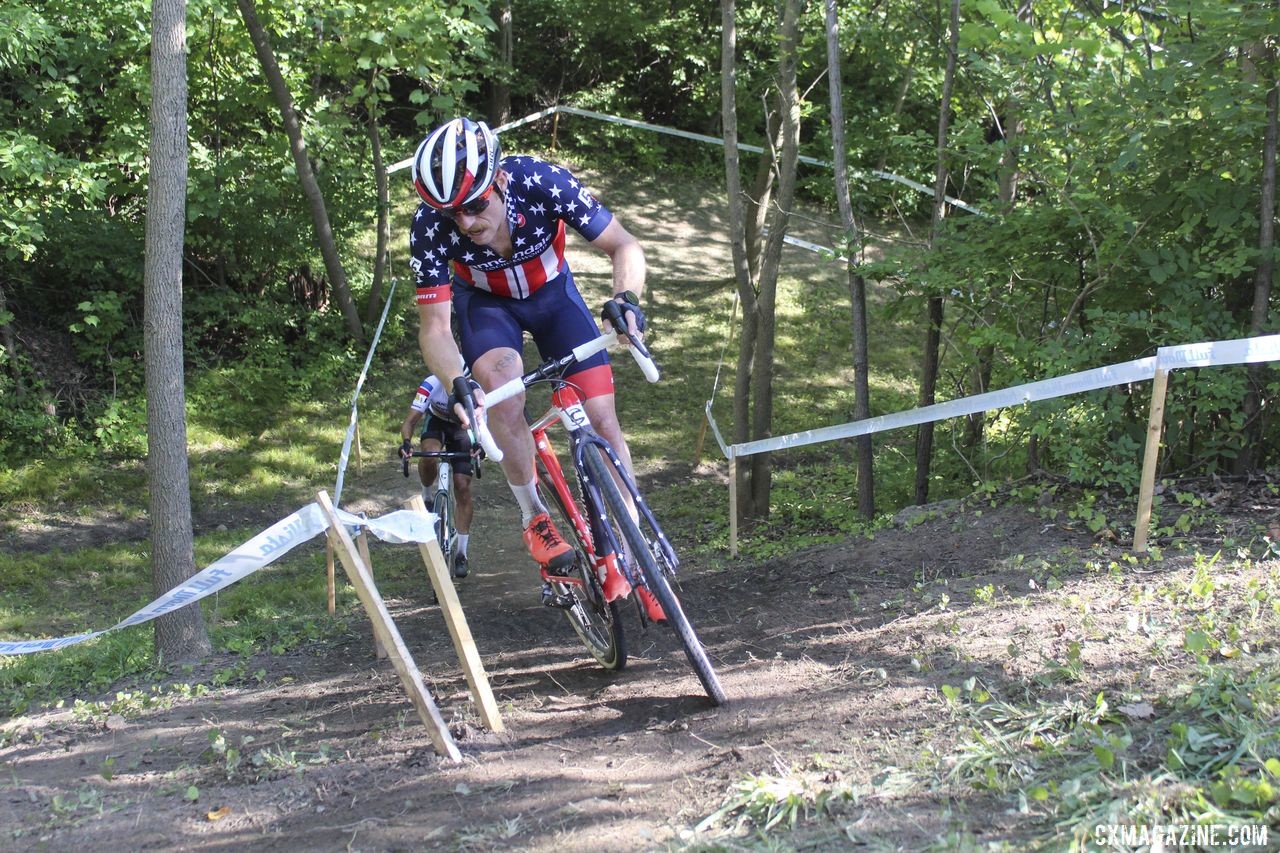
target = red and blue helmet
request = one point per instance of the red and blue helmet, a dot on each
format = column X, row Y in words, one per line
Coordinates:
column 456, row 163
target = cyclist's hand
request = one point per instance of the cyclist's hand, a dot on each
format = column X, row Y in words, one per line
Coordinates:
column 466, row 391
column 622, row 314
column 406, row 449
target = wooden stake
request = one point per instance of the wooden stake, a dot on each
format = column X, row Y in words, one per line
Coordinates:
column 456, row 621
column 733, row 504
column 386, row 630
column 702, row 437
column 328, row 564
column 362, row 543
column 1147, row 489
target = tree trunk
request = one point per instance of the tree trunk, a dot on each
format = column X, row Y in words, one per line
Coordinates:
column 853, row 251
column 306, row 175
column 771, row 262
column 500, row 86
column 762, row 189
column 738, row 241
column 1251, row 455
column 180, row 636
column 10, row 344
column 384, row 225
column 933, row 331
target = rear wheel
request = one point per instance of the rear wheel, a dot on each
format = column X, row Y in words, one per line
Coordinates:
column 646, row 554
column 595, row 620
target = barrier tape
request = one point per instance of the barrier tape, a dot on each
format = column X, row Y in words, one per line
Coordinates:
column 345, row 456
column 713, row 140
column 1212, row 353
column 398, row 527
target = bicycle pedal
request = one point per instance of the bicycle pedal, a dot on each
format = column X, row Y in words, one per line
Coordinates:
column 551, row 598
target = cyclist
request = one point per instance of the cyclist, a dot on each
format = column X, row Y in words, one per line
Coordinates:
column 441, row 431
column 489, row 236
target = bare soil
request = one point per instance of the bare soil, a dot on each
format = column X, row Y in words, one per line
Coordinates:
column 835, row 652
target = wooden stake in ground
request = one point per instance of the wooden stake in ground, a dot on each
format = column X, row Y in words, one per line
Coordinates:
column 456, row 620
column 329, row 567
column 362, row 543
column 387, row 632
column 1146, row 492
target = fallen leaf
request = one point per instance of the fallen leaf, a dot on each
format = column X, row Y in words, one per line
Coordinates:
column 1138, row 710
column 219, row 814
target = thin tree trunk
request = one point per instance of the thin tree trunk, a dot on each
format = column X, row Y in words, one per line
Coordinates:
column 1251, row 455
column 742, row 272
column 384, row 225
column 10, row 344
column 306, row 175
column 181, row 635
column 857, row 284
column 500, row 87
column 934, row 315
column 762, row 189
column 770, row 263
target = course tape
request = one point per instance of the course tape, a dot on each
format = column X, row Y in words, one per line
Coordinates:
column 268, row 546
column 345, row 455
column 1244, row 351
column 713, row 140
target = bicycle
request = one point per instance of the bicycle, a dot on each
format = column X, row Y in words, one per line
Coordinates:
column 598, row 521
column 443, row 502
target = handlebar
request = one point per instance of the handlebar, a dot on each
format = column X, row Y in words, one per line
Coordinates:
column 557, row 366
column 479, row 428
column 451, row 455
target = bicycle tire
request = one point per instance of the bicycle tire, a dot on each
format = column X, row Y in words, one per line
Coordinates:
column 644, row 550
column 443, row 504
column 597, row 623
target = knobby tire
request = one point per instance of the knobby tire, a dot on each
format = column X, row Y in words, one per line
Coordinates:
column 599, row 469
column 610, row 651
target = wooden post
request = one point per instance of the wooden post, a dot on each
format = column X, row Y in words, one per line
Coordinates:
column 456, row 621
column 328, row 564
column 386, row 629
column 555, row 126
column 702, row 437
column 1147, row 489
column 733, row 503
column 362, row 543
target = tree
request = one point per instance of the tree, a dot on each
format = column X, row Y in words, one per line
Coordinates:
column 180, row 636
column 933, row 317
column 852, row 246
column 306, row 174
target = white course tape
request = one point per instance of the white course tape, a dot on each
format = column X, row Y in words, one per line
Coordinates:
column 268, row 546
column 1045, row 389
column 702, row 137
column 1244, row 351
column 345, row 455
column 715, row 430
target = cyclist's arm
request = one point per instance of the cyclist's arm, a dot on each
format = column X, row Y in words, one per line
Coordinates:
column 440, row 350
column 625, row 252
column 410, row 425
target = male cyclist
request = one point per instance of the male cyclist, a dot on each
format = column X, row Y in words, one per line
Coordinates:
column 490, row 235
column 441, row 431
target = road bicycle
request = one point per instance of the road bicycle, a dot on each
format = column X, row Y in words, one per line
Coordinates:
column 440, row 497
column 608, row 533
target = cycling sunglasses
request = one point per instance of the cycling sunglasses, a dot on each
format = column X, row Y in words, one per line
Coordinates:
column 475, row 207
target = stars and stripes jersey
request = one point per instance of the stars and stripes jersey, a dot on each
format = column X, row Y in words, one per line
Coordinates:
column 541, row 199
column 432, row 399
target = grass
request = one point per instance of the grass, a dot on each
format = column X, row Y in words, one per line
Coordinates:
column 1061, row 745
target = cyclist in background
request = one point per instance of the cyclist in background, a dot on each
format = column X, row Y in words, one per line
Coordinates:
column 441, row 431
column 489, row 237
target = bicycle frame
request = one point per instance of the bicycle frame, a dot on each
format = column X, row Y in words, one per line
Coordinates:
column 567, row 407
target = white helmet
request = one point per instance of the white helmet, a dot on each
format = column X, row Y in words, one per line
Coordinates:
column 456, row 163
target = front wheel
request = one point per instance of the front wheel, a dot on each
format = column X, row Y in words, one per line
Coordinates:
column 644, row 550
column 596, row 621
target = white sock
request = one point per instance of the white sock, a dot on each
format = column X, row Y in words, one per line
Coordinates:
column 462, row 543
column 530, row 503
